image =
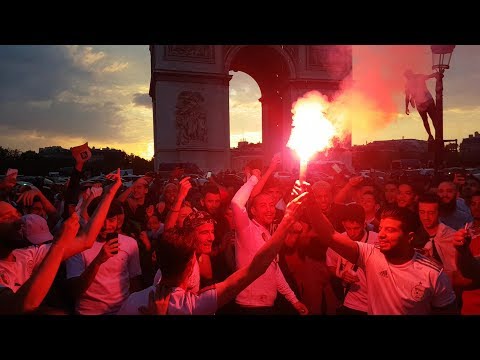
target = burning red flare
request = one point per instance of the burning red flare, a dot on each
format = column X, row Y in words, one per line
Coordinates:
column 312, row 131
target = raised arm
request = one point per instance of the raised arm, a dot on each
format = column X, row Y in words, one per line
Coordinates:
column 341, row 244
column 31, row 294
column 239, row 280
column 172, row 214
column 28, row 197
column 261, row 183
column 431, row 76
column 342, row 194
column 81, row 154
column 239, row 201
column 88, row 236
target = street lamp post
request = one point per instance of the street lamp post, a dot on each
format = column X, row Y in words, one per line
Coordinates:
column 441, row 55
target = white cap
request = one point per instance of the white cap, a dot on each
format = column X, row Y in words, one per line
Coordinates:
column 35, row 229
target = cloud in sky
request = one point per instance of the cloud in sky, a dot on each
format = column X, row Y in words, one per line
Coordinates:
column 245, row 109
column 140, row 99
column 71, row 93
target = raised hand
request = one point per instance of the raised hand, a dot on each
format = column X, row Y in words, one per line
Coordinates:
column 461, row 239
column 300, row 188
column 95, row 191
column 185, row 186
column 257, row 173
column 81, row 153
column 109, row 249
column 115, row 177
column 294, row 208
column 27, row 197
column 68, row 233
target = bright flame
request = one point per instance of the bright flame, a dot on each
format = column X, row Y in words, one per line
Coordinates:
column 312, row 131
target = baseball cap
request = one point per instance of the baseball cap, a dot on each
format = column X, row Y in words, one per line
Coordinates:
column 35, row 229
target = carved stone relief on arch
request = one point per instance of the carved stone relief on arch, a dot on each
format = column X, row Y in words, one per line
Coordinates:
column 191, row 118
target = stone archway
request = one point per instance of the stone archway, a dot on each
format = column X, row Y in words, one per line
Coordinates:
column 190, row 94
column 272, row 68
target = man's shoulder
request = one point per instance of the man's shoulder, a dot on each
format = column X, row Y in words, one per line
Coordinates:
column 428, row 263
column 446, row 231
column 135, row 300
column 31, row 251
column 127, row 240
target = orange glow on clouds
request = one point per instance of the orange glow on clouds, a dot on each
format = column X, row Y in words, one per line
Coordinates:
column 312, row 131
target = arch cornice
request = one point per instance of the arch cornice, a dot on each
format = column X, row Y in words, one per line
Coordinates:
column 232, row 51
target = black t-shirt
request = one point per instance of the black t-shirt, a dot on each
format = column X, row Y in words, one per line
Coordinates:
column 135, row 221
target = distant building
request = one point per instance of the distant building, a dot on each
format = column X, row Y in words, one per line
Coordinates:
column 107, row 155
column 380, row 154
column 244, row 153
column 54, row 152
column 470, row 149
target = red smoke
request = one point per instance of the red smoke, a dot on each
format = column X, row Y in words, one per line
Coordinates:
column 369, row 96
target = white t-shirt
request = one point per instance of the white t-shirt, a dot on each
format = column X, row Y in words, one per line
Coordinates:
column 181, row 302
column 14, row 274
column 357, row 297
column 111, row 285
column 412, row 288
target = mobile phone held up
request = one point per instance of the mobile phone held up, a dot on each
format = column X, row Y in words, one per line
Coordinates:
column 111, row 236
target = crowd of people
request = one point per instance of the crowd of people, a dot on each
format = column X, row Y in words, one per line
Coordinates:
column 357, row 247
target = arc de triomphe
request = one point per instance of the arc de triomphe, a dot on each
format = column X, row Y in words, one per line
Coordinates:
column 189, row 87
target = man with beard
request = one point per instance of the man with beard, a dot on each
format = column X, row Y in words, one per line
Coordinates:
column 400, row 281
column 451, row 214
